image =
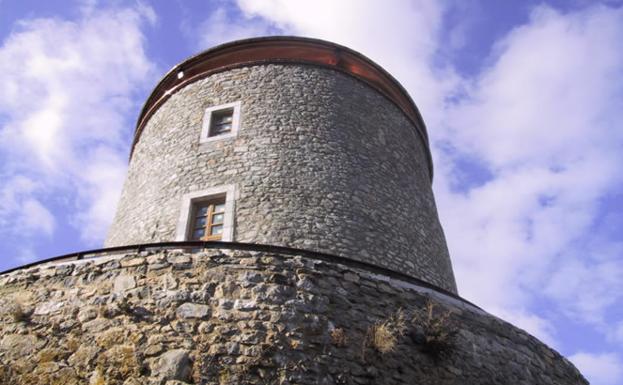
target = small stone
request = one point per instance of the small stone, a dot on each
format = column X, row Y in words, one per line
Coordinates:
column 64, row 270
column 169, row 282
column 97, row 378
column 245, row 305
column 156, row 258
column 110, row 265
column 154, row 350
column 454, row 370
column 205, row 327
column 305, row 284
column 124, row 282
column 87, row 314
column 279, row 279
column 49, row 307
column 157, row 266
column 350, row 277
column 18, row 345
column 250, row 277
column 84, row 356
column 179, row 259
column 193, row 310
column 172, row 296
column 129, row 262
column 173, row 365
column 97, row 325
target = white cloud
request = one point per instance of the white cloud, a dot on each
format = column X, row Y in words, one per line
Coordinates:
column 550, row 87
column 617, row 332
column 20, row 213
column 586, row 291
column 104, row 175
column 218, row 28
column 599, row 369
column 542, row 121
column 68, row 87
column 26, row 255
column 35, row 215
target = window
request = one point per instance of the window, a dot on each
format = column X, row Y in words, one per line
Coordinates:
column 207, row 215
column 221, row 122
column 208, row 219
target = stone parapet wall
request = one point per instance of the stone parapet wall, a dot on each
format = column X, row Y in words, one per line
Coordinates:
column 321, row 162
column 240, row 317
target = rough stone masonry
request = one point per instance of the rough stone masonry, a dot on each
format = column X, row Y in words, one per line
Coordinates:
column 235, row 317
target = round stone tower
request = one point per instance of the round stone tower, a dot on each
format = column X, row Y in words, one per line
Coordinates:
column 307, row 144
column 277, row 226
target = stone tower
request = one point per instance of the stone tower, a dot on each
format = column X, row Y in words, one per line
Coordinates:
column 277, row 226
column 323, row 151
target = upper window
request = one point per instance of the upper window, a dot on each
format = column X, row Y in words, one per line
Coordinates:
column 221, row 122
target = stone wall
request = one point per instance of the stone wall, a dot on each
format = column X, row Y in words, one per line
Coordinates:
column 233, row 317
column 321, row 162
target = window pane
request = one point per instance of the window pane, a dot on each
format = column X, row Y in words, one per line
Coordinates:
column 224, row 119
column 202, row 211
column 219, row 207
column 221, row 122
column 201, row 222
column 216, row 132
column 198, row 233
column 220, row 128
column 216, row 230
column 217, row 219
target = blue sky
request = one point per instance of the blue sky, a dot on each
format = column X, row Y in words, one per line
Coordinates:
column 523, row 102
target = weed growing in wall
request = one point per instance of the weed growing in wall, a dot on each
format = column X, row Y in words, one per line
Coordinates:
column 20, row 313
column 434, row 330
column 383, row 335
column 338, row 337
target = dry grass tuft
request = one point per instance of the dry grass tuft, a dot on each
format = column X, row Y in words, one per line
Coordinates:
column 338, row 337
column 19, row 313
column 383, row 335
column 434, row 330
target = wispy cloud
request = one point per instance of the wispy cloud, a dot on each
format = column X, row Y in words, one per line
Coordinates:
column 218, row 28
column 543, row 122
column 67, row 89
column 20, row 213
column 602, row 369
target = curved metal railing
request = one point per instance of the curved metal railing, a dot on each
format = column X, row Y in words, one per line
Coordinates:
column 194, row 245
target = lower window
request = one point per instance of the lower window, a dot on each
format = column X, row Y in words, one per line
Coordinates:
column 208, row 220
column 207, row 215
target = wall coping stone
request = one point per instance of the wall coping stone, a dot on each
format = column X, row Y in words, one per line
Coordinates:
column 101, row 256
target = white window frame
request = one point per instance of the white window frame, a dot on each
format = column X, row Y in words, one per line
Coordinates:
column 207, row 121
column 190, row 199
